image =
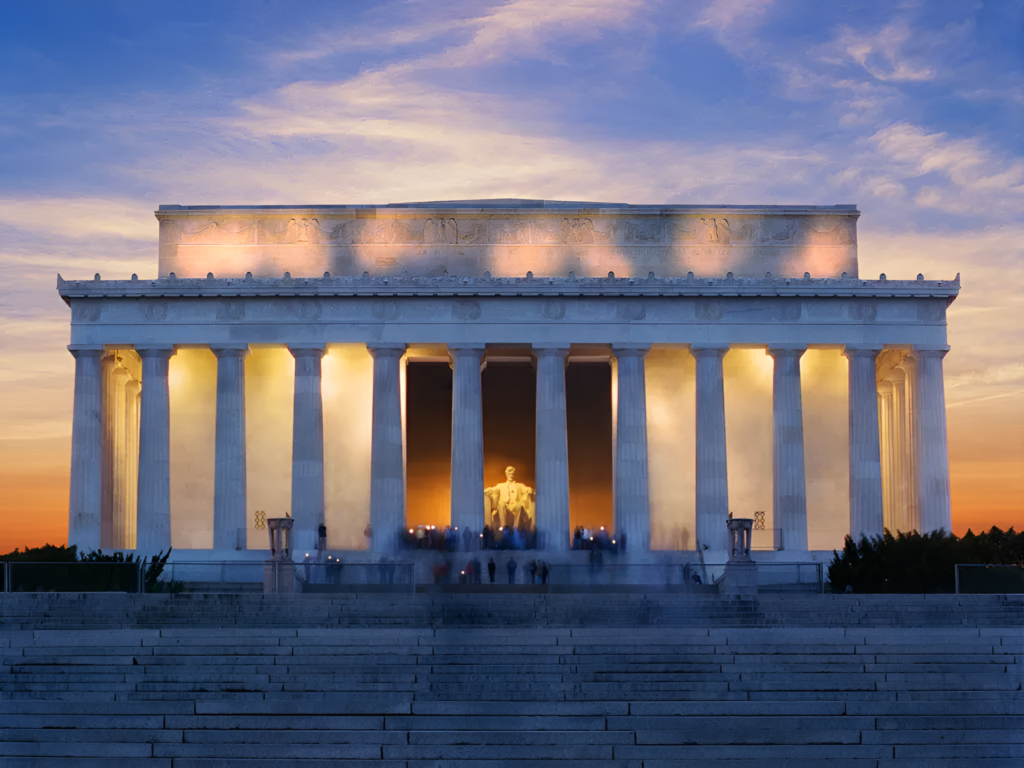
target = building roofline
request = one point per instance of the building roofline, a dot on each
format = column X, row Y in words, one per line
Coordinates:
column 403, row 286
column 509, row 206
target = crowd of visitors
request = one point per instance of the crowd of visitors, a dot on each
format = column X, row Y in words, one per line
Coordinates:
column 535, row 572
column 452, row 539
column 600, row 539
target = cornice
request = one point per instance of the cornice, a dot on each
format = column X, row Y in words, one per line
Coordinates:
column 407, row 286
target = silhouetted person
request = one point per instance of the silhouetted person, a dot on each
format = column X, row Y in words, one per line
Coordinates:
column 512, row 570
column 321, row 544
column 491, row 568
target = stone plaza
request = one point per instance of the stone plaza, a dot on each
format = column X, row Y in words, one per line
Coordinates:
column 376, row 368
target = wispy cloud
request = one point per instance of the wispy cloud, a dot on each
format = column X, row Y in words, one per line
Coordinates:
column 880, row 53
column 515, row 29
column 968, row 177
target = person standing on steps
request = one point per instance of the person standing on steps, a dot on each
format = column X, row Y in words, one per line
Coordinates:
column 511, row 570
column 491, row 568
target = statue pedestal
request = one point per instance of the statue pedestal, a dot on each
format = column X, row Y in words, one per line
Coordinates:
column 279, row 570
column 740, row 577
column 278, row 577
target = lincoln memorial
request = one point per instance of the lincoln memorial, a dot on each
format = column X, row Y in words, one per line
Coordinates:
column 647, row 368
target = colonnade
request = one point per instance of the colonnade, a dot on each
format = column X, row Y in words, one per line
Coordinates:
column 920, row 407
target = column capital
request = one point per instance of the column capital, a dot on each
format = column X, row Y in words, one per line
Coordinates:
column 551, row 350
column 884, row 386
column 467, row 349
column 862, row 350
column 385, row 349
column 628, row 349
column 787, row 350
column 229, row 350
column 307, row 350
column 929, row 351
column 86, row 350
column 709, row 350
column 165, row 351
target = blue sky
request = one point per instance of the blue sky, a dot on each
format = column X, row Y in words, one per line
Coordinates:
column 912, row 110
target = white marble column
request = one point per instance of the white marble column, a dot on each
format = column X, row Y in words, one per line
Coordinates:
column 118, row 383
column 86, row 449
column 932, row 448
column 467, row 437
column 885, row 453
column 897, row 425
column 712, row 461
column 125, row 535
column 154, row 501
column 632, row 501
column 307, row 450
column 790, row 485
column 909, row 368
column 109, row 399
column 387, row 474
column 866, row 516
column 552, row 448
column 229, row 482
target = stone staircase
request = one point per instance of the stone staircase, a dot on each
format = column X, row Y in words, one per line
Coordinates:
column 513, row 680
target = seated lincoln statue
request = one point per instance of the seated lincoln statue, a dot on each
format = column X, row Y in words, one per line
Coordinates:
column 509, row 504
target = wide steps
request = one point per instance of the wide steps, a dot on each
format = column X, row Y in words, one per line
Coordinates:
column 428, row 680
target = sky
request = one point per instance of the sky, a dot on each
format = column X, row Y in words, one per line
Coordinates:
column 912, row 110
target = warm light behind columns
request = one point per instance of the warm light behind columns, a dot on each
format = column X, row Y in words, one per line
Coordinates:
column 192, row 380
column 347, row 386
column 823, row 374
column 671, row 440
column 269, row 384
column 749, row 425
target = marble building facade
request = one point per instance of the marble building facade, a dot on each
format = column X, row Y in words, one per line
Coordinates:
column 346, row 297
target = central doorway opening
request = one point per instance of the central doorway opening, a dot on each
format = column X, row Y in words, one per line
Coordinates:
column 509, row 395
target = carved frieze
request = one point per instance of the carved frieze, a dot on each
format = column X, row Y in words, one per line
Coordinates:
column 538, row 230
column 547, row 240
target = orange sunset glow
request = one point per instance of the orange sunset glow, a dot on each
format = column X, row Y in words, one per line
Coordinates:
column 109, row 115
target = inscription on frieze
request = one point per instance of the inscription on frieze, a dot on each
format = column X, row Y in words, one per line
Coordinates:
column 548, row 240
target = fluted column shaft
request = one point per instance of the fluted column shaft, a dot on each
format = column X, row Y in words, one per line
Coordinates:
column 154, row 504
column 125, row 536
column 467, row 437
column 632, row 502
column 107, row 418
column 790, row 485
column 86, row 450
column 932, row 448
column 552, row 449
column 119, row 465
column 712, row 461
column 885, row 452
column 387, row 474
column 307, row 449
column 866, row 515
column 229, row 482
column 909, row 367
